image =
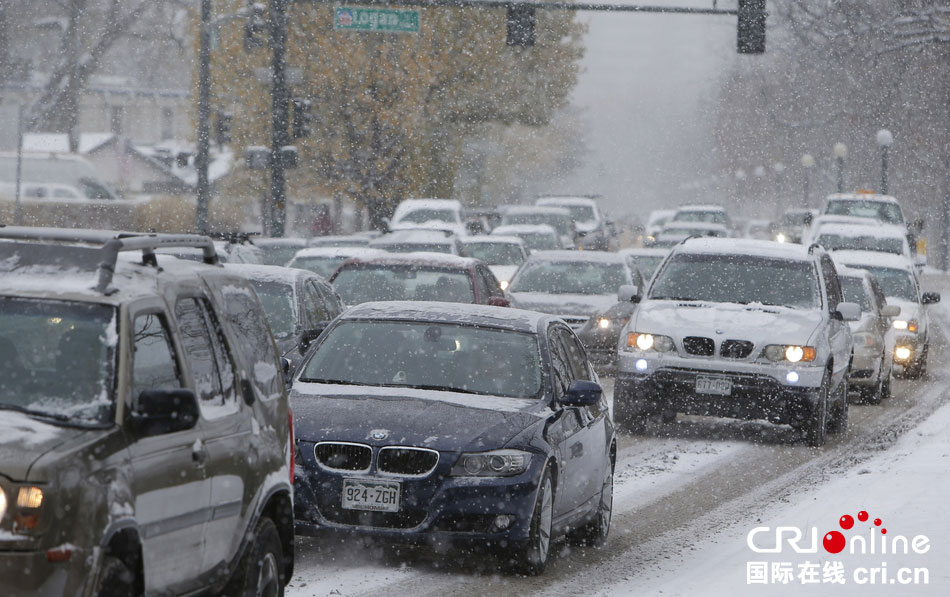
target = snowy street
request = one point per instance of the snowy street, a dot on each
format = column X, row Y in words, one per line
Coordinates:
column 686, row 496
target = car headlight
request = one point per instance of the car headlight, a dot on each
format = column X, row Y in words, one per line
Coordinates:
column 790, row 352
column 648, row 342
column 903, row 353
column 780, row 237
column 504, row 284
column 864, row 339
column 3, row 503
column 904, row 324
column 497, row 463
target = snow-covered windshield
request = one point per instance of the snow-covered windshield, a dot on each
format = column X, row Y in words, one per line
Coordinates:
column 323, row 265
column 894, row 282
column 278, row 302
column 878, row 210
column 539, row 241
column 854, row 292
column 581, row 213
column 363, row 283
column 57, row 359
column 561, row 223
column 837, row 242
column 277, row 255
column 740, row 279
column 424, row 355
column 570, row 277
column 496, row 253
column 711, row 216
column 418, row 216
column 795, row 218
column 416, row 248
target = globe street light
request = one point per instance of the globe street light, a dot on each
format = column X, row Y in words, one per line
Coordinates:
column 841, row 152
column 808, row 162
column 884, row 139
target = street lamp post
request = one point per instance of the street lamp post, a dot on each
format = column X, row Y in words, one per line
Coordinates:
column 808, row 162
column 204, row 113
column 884, row 139
column 841, row 152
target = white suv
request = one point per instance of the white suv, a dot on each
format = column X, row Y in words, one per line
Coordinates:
column 739, row 328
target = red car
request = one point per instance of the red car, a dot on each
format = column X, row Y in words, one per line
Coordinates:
column 417, row 277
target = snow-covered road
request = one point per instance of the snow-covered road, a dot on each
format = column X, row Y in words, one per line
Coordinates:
column 687, row 494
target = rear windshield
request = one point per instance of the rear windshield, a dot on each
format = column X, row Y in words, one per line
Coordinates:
column 570, row 277
column 715, row 217
column 560, row 223
column 854, row 292
column 647, row 264
column 496, row 253
column 57, row 359
column 878, row 210
column 364, row 283
column 896, row 283
column 278, row 302
column 324, row 265
column 418, row 216
column 742, row 279
column 416, row 248
column 838, row 242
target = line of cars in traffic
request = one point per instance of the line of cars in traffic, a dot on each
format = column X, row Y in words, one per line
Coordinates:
column 429, row 411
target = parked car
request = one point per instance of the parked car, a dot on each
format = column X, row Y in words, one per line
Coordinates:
column 590, row 221
column 416, row 240
column 146, row 439
column 743, row 329
column 323, row 261
column 793, row 224
column 413, row 426
column 864, row 237
column 676, row 232
column 702, row 213
column 558, row 218
column 419, row 277
column 536, row 237
column 758, row 229
column 882, row 208
column 898, row 279
column 873, row 336
column 352, row 240
column 502, row 254
column 572, row 284
column 299, row 304
column 278, row 251
column 655, row 222
column 410, row 213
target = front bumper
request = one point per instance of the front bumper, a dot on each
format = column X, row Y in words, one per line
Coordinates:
column 664, row 383
column 438, row 509
column 866, row 367
column 31, row 573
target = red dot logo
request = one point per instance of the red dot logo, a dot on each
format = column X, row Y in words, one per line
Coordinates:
column 877, row 522
column 846, row 522
column 862, row 516
column 883, row 531
column 833, row 542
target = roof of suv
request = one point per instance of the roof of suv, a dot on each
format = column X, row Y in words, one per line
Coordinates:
column 421, row 258
column 872, row 259
column 504, row 317
column 742, row 246
column 861, row 197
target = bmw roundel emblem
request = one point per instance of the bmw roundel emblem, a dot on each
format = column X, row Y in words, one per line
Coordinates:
column 379, row 434
column 720, row 332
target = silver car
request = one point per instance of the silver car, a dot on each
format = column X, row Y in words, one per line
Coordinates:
column 743, row 329
column 874, row 337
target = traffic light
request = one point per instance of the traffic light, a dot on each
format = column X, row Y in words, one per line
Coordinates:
column 222, row 128
column 255, row 26
column 520, row 25
column 750, row 36
column 302, row 118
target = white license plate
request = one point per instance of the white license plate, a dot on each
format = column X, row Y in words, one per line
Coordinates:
column 714, row 385
column 375, row 496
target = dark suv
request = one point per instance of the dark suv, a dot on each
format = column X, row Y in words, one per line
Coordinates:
column 145, row 435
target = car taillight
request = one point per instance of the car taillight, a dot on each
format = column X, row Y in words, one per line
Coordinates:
column 293, row 445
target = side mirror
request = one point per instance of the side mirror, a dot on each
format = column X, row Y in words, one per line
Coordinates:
column 308, row 336
column 930, row 298
column 498, row 301
column 582, row 393
column 628, row 293
column 891, row 310
column 158, row 412
column 285, row 367
column 848, row 311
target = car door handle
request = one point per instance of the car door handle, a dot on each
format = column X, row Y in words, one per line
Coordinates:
column 198, row 453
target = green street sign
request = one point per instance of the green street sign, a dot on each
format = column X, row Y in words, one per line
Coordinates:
column 385, row 20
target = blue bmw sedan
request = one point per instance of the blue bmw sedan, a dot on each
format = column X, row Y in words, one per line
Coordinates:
column 446, row 423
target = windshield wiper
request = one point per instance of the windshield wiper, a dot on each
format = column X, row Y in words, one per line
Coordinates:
column 675, row 298
column 434, row 388
column 58, row 417
column 338, row 382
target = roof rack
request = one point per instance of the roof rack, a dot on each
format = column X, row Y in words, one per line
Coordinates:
column 813, row 246
column 114, row 243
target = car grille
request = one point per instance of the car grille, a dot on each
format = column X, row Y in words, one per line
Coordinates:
column 415, row 462
column 735, row 349
column 699, row 346
column 343, row 456
column 389, row 520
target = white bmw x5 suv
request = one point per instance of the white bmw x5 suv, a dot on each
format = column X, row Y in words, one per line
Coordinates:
column 743, row 329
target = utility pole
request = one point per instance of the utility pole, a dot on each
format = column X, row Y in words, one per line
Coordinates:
column 204, row 115
column 279, row 138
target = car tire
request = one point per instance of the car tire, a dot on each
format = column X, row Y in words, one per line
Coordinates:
column 531, row 557
column 875, row 393
column 919, row 366
column 594, row 533
column 260, row 571
column 838, row 422
column 115, row 579
column 815, row 427
column 886, row 386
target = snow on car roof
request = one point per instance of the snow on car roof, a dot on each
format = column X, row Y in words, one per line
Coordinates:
column 693, row 226
column 493, row 239
column 505, row 317
column 269, row 241
column 643, row 252
column 322, row 240
column 339, row 252
column 743, row 246
column 418, row 258
column 565, row 200
column 413, row 235
column 509, row 229
column 861, row 197
column 535, row 209
column 578, row 256
column 872, row 259
column 701, row 207
column 847, row 271
column 407, row 205
column 268, row 273
column 866, row 229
